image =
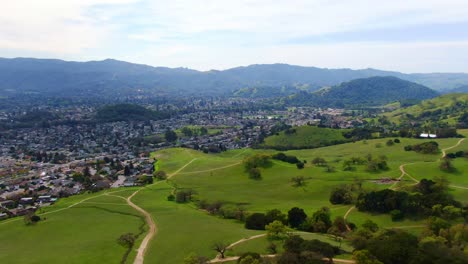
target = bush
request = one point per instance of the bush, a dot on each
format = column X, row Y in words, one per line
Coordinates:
column 256, row 221
column 160, row 175
column 396, row 140
column 255, row 174
column 396, row 215
column 249, row 256
column 171, row 197
column 300, row 165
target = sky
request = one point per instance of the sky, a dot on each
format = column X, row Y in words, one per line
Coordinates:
column 402, row 35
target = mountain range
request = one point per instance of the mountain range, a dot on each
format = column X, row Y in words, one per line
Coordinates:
column 118, row 78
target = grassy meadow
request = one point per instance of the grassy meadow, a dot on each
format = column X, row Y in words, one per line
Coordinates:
column 84, row 233
column 305, row 137
column 85, row 228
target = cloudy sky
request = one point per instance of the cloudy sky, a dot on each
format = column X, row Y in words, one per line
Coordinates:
column 402, row 35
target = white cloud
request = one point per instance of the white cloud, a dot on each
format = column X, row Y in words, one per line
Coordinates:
column 300, row 17
column 54, row 26
column 406, row 57
column 207, row 34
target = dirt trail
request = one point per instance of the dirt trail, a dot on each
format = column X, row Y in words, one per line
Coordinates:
column 62, row 209
column 218, row 259
column 152, row 230
column 454, row 146
column 403, row 173
column 183, row 167
column 140, row 257
column 220, row 168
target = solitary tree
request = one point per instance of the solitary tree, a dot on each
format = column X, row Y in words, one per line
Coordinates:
column 127, row 240
column 160, row 175
column 170, row 135
column 220, row 247
column 446, row 165
column 298, row 181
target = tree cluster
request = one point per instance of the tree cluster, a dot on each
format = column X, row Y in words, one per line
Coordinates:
column 253, row 164
column 426, row 195
column 430, row 147
column 300, row 251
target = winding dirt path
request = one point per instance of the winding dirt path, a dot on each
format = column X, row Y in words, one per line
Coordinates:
column 140, row 257
column 218, row 259
column 454, row 146
column 403, row 173
column 62, row 209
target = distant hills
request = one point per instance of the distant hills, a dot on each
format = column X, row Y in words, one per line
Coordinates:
column 366, row 92
column 117, row 78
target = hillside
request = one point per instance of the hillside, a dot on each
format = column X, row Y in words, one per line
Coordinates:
column 86, row 227
column 373, row 91
column 446, row 109
column 265, row 92
column 460, row 89
column 118, row 78
column 304, row 137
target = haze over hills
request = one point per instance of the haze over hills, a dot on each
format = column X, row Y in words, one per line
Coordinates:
column 112, row 77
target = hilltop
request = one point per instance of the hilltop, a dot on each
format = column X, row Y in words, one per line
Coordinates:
column 373, row 91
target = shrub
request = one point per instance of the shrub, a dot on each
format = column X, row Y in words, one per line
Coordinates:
column 255, row 221
column 396, row 215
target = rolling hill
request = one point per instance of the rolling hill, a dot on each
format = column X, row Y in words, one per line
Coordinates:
column 366, row 92
column 446, row 108
column 114, row 78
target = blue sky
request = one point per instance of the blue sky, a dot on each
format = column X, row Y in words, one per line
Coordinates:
column 401, row 35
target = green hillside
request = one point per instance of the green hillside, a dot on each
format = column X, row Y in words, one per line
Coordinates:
column 367, row 92
column 90, row 224
column 305, row 137
column 446, row 109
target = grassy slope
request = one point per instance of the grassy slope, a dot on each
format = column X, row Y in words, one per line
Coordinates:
column 437, row 103
column 85, row 233
column 305, row 136
column 88, row 234
column 183, row 229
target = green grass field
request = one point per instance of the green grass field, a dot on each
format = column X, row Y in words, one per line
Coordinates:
column 85, row 233
column 183, row 229
column 305, row 137
column 84, row 228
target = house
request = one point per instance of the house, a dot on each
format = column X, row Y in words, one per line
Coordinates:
column 3, row 216
column 427, row 135
column 26, row 200
column 7, row 204
column 44, row 199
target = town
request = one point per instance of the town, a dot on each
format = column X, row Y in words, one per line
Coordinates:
column 50, row 160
